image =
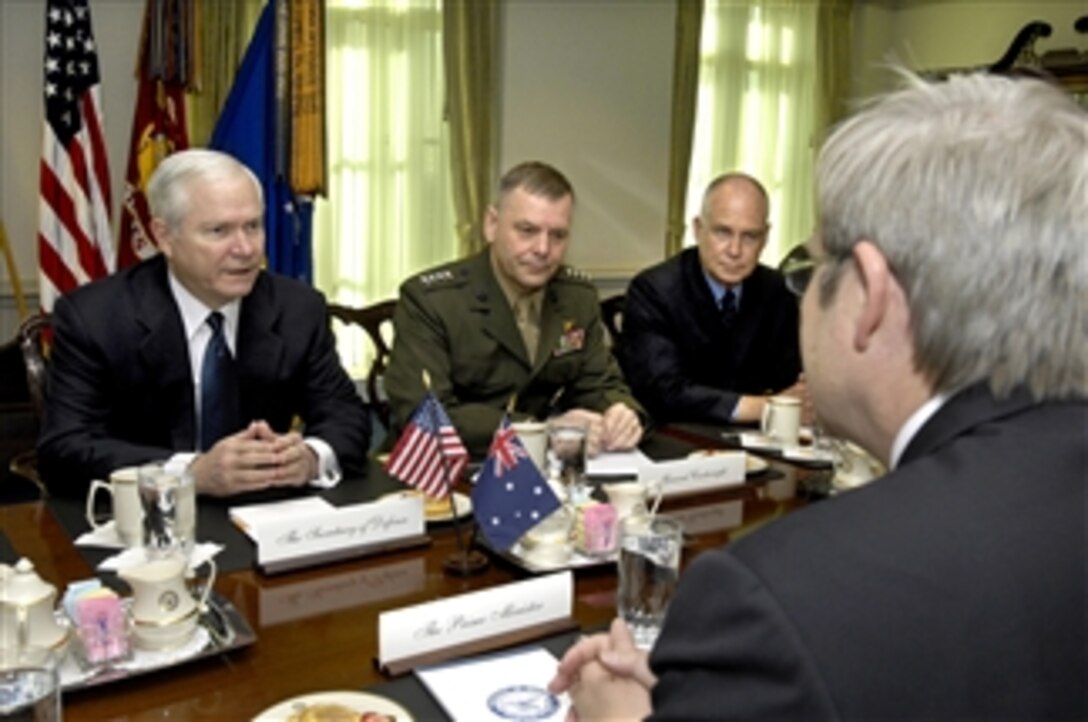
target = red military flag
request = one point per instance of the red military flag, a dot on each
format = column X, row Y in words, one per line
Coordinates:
column 429, row 454
column 159, row 125
column 74, row 237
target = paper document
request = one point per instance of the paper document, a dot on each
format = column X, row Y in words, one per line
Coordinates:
column 249, row 518
column 617, row 463
column 503, row 687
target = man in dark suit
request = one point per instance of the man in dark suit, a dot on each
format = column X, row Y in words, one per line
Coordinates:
column 200, row 350
column 709, row 333
column 943, row 330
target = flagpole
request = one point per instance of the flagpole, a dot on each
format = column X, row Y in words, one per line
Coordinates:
column 463, row 562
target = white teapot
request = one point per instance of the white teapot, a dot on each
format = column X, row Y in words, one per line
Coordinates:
column 27, row 602
column 164, row 612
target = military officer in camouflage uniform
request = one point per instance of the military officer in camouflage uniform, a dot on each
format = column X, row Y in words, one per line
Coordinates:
column 512, row 322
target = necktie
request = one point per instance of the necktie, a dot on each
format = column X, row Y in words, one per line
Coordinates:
column 218, row 391
column 729, row 307
column 528, row 325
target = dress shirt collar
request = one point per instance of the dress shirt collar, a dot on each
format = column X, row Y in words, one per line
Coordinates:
column 914, row 424
column 194, row 313
column 718, row 289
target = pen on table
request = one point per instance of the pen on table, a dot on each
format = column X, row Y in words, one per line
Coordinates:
column 553, row 403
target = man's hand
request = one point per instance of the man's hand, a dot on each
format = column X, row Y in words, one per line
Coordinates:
column 621, row 428
column 607, row 676
column 750, row 408
column 254, row 458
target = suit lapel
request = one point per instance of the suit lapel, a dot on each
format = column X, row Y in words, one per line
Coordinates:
column 163, row 352
column 260, row 347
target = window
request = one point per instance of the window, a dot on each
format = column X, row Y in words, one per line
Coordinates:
column 389, row 212
column 755, row 109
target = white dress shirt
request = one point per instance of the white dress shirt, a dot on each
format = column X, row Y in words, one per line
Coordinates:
column 194, row 316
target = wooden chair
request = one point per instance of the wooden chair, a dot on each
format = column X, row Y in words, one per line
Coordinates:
column 612, row 316
column 373, row 319
column 33, row 340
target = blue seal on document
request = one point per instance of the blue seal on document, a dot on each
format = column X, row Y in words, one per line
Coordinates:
column 523, row 703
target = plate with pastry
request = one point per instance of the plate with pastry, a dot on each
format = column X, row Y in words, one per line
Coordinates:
column 336, row 707
column 437, row 509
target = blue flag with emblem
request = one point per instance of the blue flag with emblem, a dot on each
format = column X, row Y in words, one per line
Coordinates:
column 251, row 128
column 510, row 496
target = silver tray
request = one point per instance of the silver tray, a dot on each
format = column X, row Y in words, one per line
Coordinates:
column 221, row 628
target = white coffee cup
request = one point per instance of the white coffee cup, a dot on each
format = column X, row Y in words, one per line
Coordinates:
column 128, row 514
column 781, row 421
column 628, row 497
column 534, row 437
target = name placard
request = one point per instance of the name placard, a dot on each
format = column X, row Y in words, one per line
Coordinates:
column 688, row 476
column 339, row 532
column 433, row 631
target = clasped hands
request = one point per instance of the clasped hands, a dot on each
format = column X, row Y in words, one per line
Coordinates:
column 254, row 458
column 617, row 429
column 607, row 676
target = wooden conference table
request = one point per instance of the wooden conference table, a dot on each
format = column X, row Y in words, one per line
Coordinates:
column 317, row 628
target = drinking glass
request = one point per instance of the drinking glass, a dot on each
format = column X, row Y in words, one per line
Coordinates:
column 29, row 685
column 649, row 568
column 567, row 458
column 168, row 499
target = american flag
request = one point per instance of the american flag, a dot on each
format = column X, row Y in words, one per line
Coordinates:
column 511, row 496
column 74, row 241
column 429, row 455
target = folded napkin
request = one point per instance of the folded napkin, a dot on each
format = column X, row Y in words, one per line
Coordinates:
column 136, row 555
column 105, row 536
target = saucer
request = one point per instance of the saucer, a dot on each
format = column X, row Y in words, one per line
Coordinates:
column 360, row 702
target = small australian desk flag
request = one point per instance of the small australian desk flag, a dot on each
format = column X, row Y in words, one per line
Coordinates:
column 511, row 496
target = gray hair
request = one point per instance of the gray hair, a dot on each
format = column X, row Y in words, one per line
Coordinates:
column 168, row 188
column 976, row 192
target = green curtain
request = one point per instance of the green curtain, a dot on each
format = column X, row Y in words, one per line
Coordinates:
column 224, row 30
column 469, row 31
column 834, row 33
column 685, row 75
column 773, row 74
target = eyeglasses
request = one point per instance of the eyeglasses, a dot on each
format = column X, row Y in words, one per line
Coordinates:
column 798, row 268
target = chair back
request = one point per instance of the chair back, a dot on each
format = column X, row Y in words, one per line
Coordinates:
column 375, row 319
column 34, row 338
column 612, row 316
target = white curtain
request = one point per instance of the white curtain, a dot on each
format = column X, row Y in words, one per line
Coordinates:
column 755, row 109
column 389, row 213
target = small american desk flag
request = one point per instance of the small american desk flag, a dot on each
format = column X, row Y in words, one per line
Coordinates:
column 511, row 496
column 429, row 455
column 74, row 237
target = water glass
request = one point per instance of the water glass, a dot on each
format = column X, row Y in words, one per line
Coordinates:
column 29, row 685
column 567, row 458
column 649, row 569
column 168, row 498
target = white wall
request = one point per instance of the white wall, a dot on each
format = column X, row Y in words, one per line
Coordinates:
column 586, row 86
